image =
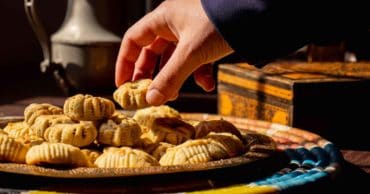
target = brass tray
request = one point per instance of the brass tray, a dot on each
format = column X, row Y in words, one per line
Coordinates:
column 243, row 124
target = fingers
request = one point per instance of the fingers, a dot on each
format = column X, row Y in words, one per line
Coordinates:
column 129, row 52
column 147, row 60
column 141, row 34
column 174, row 97
column 126, row 61
column 204, row 77
column 169, row 80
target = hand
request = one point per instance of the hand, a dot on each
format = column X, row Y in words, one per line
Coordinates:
column 180, row 32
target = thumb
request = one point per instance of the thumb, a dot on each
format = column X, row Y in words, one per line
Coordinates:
column 171, row 77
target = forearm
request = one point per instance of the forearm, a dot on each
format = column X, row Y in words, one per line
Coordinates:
column 262, row 30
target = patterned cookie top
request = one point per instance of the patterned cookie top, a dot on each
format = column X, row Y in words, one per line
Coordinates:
column 132, row 95
column 32, row 111
column 12, row 150
column 146, row 116
column 205, row 127
column 88, row 107
column 119, row 132
column 170, row 130
column 125, row 157
column 193, row 152
column 56, row 154
column 77, row 134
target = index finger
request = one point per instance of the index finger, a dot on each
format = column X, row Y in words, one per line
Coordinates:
column 134, row 39
column 141, row 34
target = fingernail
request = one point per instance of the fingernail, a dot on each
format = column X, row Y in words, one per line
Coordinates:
column 208, row 88
column 155, row 97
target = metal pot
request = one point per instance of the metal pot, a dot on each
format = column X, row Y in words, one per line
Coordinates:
column 82, row 53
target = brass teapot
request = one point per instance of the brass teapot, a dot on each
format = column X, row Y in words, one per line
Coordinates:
column 82, row 53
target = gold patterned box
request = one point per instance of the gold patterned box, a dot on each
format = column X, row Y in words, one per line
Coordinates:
column 321, row 97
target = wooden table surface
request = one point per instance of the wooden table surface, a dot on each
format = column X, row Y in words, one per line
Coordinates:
column 42, row 89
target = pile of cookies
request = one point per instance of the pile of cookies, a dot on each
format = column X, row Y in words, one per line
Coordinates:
column 89, row 132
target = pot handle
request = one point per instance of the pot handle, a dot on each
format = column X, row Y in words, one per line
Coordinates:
column 39, row 29
column 46, row 65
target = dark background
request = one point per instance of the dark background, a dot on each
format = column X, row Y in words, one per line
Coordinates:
column 20, row 57
column 20, row 52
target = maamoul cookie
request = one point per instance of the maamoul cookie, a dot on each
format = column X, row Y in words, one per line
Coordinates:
column 122, row 131
column 194, row 151
column 88, row 108
column 161, row 149
column 204, row 127
column 77, row 134
column 259, row 143
column 125, row 157
column 91, row 155
column 17, row 129
column 2, row 132
column 231, row 142
column 21, row 132
column 12, row 150
column 118, row 116
column 31, row 140
column 146, row 116
column 56, row 154
column 45, row 121
column 131, row 95
column 32, row 111
column 170, row 130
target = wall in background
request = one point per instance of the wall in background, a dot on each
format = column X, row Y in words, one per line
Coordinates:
column 18, row 44
column 19, row 48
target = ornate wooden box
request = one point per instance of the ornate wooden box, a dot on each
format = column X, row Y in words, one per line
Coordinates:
column 331, row 99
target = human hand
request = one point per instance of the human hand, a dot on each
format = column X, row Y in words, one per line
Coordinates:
column 180, row 32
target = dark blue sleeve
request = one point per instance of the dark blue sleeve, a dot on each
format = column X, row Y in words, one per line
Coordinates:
column 263, row 30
